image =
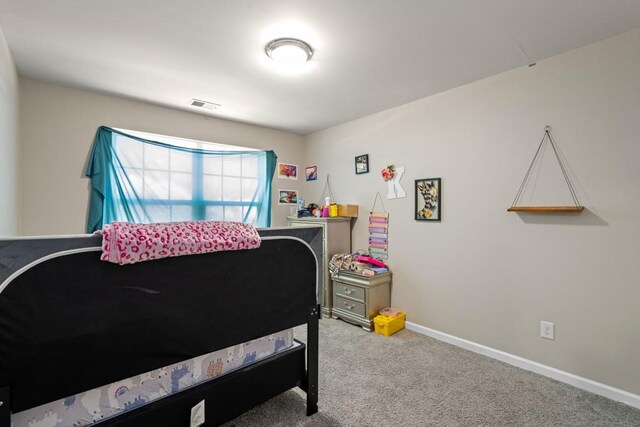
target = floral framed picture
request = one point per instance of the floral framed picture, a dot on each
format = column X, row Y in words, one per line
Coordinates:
column 428, row 199
column 287, row 197
column 362, row 164
column 287, row 171
column 311, row 173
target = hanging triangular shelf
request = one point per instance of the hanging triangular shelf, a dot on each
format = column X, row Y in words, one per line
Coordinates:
column 546, row 209
column 577, row 208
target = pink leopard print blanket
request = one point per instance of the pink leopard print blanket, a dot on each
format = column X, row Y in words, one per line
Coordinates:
column 128, row 243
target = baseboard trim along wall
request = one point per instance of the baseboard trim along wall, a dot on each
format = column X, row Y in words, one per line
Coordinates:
column 529, row 365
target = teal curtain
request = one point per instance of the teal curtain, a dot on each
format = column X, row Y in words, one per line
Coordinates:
column 139, row 180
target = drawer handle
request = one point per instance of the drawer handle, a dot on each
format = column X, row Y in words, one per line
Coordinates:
column 348, row 291
column 349, row 306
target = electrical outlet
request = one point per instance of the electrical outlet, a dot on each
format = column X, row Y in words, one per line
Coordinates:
column 547, row 330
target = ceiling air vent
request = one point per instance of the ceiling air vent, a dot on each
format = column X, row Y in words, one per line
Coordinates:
column 204, row 104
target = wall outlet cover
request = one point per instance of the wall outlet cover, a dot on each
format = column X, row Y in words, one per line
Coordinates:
column 547, row 330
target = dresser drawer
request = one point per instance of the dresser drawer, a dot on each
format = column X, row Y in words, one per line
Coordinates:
column 356, row 308
column 354, row 292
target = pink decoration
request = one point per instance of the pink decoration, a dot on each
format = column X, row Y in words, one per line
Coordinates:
column 382, row 225
column 388, row 173
column 378, row 219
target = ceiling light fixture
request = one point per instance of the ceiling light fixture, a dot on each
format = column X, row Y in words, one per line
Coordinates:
column 288, row 51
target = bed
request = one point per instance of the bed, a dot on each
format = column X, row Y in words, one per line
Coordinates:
column 70, row 324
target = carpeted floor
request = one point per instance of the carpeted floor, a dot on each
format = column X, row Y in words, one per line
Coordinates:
column 412, row 380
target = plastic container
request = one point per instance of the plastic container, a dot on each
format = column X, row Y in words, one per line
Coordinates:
column 389, row 325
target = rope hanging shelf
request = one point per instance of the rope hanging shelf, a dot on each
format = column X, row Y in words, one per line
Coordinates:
column 577, row 208
column 546, row 209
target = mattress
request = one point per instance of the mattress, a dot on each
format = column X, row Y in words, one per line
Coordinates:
column 91, row 407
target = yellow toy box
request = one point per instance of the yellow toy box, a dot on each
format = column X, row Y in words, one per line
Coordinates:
column 389, row 321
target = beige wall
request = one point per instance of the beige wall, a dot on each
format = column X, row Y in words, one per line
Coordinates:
column 57, row 128
column 490, row 276
column 8, row 141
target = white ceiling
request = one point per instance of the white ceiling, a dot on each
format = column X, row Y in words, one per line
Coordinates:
column 370, row 55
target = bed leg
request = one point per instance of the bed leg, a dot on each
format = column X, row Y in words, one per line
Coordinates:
column 5, row 407
column 312, row 359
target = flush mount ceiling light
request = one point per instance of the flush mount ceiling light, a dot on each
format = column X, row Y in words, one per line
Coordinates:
column 288, row 51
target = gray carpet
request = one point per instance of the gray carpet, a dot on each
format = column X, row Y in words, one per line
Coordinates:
column 412, row 380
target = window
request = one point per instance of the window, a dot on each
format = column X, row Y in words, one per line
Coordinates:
column 156, row 178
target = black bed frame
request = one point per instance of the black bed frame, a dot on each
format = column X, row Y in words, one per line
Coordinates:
column 70, row 322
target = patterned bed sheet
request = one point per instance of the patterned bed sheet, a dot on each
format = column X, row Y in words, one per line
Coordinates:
column 99, row 404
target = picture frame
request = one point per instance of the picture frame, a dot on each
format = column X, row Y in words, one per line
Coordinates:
column 287, row 197
column 287, row 171
column 428, row 196
column 362, row 164
column 311, row 173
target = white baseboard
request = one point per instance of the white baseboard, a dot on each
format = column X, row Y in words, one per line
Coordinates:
column 529, row 365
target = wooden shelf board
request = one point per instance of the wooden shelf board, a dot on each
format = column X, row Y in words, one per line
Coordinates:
column 546, row 209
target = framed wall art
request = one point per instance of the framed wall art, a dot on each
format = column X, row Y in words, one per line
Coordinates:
column 287, row 197
column 311, row 173
column 287, row 171
column 362, row 164
column 428, row 199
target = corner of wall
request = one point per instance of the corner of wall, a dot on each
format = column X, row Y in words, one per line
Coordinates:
column 8, row 141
